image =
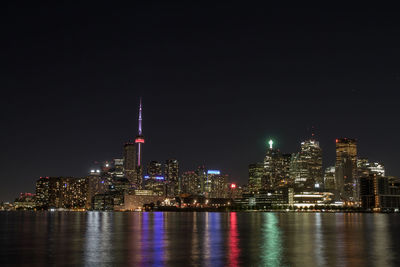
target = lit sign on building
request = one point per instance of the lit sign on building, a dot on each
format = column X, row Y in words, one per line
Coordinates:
column 139, row 140
column 213, row 172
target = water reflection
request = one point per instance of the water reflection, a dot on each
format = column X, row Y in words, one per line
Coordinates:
column 233, row 241
column 98, row 238
column 271, row 253
column 199, row 239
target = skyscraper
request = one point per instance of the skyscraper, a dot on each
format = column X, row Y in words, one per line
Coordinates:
column 306, row 166
column 276, row 168
column 130, row 163
column 346, row 169
column 154, row 180
column 329, row 179
column 256, row 172
column 171, row 173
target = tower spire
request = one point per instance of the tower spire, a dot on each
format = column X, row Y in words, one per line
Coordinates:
column 139, row 138
column 140, row 116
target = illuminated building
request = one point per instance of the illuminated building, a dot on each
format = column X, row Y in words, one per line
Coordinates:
column 264, row 199
column 154, row 169
column 364, row 167
column 154, row 180
column 346, row 169
column 25, row 201
column 276, row 168
column 189, row 183
column 171, row 173
column 130, row 163
column 379, row 193
column 202, row 177
column 306, row 199
column 216, row 185
column 96, row 185
column 118, row 168
column 306, row 166
column 67, row 193
column 42, row 193
column 329, row 179
column 256, row 173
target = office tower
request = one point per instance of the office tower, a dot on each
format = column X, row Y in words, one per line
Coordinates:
column 329, row 179
column 379, row 193
column 42, row 193
column 130, row 163
column 97, row 184
column 139, row 141
column 154, row 168
column 216, row 184
column 117, row 170
column 311, row 155
column 154, row 180
column 273, row 167
column 256, row 172
column 346, row 169
column 306, row 166
column 189, row 183
column 201, row 173
column 365, row 168
column 171, row 173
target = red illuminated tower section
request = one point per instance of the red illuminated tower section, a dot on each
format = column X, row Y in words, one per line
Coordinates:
column 139, row 141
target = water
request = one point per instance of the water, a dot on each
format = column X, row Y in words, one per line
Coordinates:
column 199, row 239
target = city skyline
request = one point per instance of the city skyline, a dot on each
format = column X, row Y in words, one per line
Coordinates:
column 215, row 87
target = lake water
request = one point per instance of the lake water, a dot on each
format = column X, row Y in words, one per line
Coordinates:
column 199, row 239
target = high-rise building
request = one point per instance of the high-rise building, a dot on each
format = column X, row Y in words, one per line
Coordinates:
column 201, row 173
column 42, row 193
column 329, row 179
column 276, row 168
column 346, row 169
column 364, row 168
column 189, row 183
column 154, row 168
column 306, row 166
column 256, row 173
column 130, row 163
column 154, row 180
column 171, row 173
column 311, row 155
column 216, row 184
column 65, row 192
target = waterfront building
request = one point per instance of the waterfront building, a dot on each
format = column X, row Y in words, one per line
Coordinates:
column 379, row 193
column 346, row 169
column 189, row 183
column 276, row 168
column 25, row 201
column 306, row 166
column 329, row 179
column 42, row 193
column 171, row 173
column 256, row 173
column 62, row 192
column 216, row 184
column 130, row 162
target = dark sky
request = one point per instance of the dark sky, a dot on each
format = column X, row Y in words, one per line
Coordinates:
column 217, row 80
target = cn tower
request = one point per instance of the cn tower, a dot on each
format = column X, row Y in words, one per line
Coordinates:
column 139, row 138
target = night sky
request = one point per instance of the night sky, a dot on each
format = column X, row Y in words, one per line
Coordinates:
column 217, row 81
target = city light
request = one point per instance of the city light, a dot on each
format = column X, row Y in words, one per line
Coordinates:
column 270, row 143
column 233, row 186
column 213, row 172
